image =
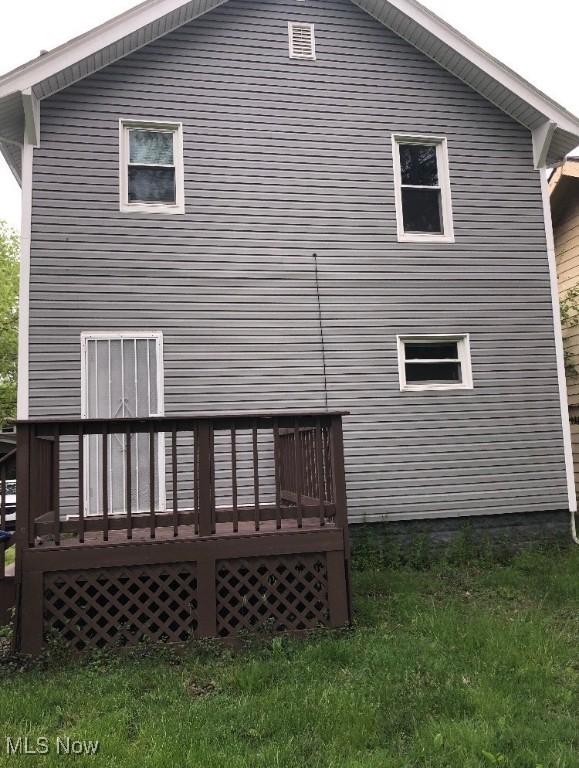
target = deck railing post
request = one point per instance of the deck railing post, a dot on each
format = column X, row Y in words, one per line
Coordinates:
column 55, row 485
column 338, row 471
column 205, row 463
column 24, row 533
column 339, row 564
column 30, row 463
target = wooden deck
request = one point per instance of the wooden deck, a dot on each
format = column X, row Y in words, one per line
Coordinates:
column 253, row 532
column 186, row 533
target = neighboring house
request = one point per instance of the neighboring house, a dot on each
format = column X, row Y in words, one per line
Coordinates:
column 258, row 206
column 564, row 192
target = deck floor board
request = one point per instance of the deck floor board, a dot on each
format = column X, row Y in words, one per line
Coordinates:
column 186, row 533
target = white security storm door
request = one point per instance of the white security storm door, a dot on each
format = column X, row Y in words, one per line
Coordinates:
column 122, row 376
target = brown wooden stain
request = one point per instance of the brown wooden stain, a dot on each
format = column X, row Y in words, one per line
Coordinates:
column 280, row 560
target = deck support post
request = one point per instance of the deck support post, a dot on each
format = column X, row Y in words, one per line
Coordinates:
column 341, row 501
column 22, row 523
column 31, row 612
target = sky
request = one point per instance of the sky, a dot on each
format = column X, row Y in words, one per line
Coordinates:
column 514, row 31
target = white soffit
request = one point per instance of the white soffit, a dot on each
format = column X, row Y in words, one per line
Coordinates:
column 152, row 19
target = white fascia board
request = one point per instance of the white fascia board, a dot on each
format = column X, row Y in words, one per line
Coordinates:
column 87, row 44
column 477, row 56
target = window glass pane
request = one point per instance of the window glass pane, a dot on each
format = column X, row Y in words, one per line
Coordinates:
column 418, row 164
column 151, row 147
column 151, row 185
column 421, row 210
column 433, row 373
column 438, row 350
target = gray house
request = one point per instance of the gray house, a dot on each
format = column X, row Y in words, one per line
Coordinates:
column 278, row 206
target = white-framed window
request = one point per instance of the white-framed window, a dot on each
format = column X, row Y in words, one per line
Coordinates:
column 302, row 40
column 437, row 362
column 422, row 189
column 122, row 376
column 151, row 167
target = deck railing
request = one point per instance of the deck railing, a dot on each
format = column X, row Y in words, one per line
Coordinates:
column 193, row 475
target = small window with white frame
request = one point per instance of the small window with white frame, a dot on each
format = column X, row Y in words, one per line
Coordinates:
column 422, row 189
column 151, row 167
column 434, row 362
column 302, row 40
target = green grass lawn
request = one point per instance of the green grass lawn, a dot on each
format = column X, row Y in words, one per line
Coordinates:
column 458, row 666
column 10, row 556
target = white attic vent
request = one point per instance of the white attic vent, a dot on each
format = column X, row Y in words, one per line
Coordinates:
column 302, row 42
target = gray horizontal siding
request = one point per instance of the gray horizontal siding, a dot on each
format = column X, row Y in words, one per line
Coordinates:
column 284, row 159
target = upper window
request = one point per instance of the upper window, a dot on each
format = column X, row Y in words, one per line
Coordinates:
column 152, row 167
column 302, row 41
column 421, row 176
column 434, row 362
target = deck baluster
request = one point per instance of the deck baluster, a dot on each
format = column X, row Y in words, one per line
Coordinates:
column 196, row 479
column 277, row 460
column 319, row 471
column 298, row 473
column 234, row 480
column 152, row 489
column 105, row 483
column 129, row 482
column 174, row 480
column 81, row 486
column 256, row 478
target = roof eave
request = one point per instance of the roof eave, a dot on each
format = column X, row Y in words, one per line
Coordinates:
column 555, row 130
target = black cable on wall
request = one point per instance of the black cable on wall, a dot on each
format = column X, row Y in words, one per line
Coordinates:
column 316, row 273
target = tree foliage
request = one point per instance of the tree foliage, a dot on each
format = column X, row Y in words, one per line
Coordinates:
column 9, row 271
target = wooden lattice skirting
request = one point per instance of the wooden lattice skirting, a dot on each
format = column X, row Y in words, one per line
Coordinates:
column 99, row 597
column 121, row 606
column 279, row 593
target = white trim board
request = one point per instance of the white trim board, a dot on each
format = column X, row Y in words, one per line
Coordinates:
column 464, row 358
column 22, row 408
column 178, row 163
column 443, row 170
column 561, row 378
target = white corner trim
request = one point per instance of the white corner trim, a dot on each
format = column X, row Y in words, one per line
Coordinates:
column 463, row 344
column 22, row 408
column 441, row 144
column 31, row 107
column 151, row 208
column 542, row 137
column 569, row 469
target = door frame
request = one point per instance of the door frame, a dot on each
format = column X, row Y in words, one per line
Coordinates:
column 129, row 335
